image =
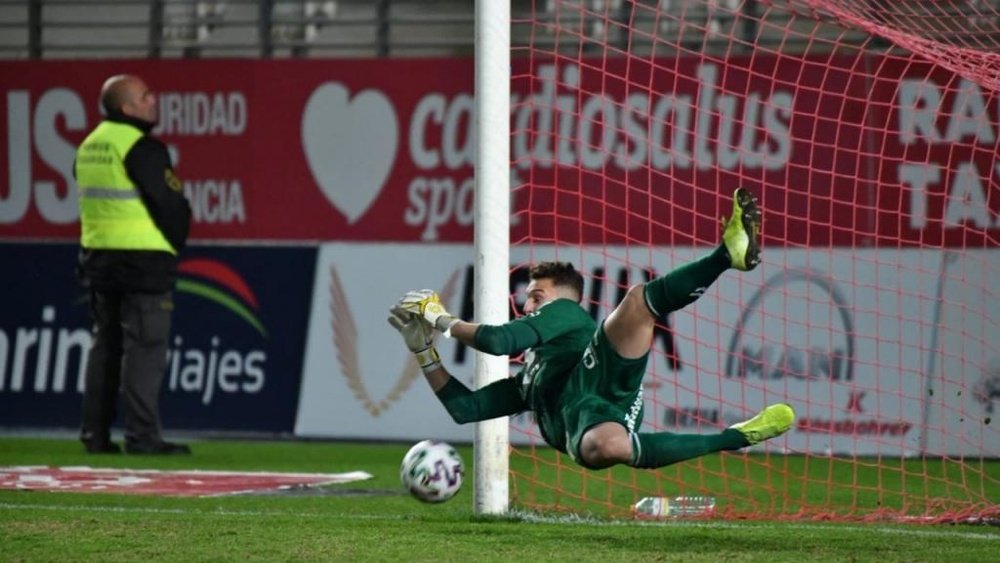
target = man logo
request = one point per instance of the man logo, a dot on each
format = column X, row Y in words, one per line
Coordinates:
column 798, row 325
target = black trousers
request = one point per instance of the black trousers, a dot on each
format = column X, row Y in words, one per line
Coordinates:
column 128, row 354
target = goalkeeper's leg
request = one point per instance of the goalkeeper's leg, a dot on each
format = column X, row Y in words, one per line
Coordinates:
column 652, row 450
column 610, row 443
column 630, row 326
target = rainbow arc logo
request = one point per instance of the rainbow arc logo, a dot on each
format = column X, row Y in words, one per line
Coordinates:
column 220, row 284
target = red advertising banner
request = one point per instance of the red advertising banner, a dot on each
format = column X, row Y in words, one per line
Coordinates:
column 858, row 151
column 267, row 150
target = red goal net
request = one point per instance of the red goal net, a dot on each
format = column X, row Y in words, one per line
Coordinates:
column 869, row 130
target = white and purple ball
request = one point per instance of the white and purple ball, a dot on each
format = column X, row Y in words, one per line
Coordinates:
column 432, row 471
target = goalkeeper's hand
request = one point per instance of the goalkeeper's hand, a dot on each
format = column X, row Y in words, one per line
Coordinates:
column 427, row 305
column 418, row 336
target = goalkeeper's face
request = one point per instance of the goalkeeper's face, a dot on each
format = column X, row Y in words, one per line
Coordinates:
column 541, row 291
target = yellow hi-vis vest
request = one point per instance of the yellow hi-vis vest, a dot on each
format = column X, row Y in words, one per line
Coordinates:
column 112, row 215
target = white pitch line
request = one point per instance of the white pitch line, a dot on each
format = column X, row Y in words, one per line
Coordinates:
column 528, row 517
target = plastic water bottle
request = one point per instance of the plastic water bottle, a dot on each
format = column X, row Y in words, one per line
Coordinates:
column 660, row 508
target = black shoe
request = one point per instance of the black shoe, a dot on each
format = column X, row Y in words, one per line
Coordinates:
column 156, row 448
column 101, row 447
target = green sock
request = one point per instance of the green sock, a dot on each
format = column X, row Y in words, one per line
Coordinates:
column 684, row 285
column 650, row 451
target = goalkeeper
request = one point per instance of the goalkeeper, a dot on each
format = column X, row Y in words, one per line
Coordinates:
column 584, row 383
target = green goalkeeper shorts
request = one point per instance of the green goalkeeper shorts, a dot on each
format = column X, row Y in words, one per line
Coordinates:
column 605, row 387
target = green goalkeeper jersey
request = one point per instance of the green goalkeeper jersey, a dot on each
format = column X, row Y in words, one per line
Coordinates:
column 564, row 330
column 554, row 339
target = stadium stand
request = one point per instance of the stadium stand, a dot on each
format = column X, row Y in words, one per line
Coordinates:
column 364, row 28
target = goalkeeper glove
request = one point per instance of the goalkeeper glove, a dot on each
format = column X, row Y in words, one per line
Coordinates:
column 418, row 336
column 426, row 304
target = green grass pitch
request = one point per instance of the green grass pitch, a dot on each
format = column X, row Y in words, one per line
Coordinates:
column 375, row 521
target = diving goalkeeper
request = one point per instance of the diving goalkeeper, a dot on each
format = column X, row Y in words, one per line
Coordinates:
column 584, row 382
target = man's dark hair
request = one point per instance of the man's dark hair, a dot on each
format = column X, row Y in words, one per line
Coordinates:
column 562, row 274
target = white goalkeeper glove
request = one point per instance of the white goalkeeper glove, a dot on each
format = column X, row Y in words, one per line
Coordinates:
column 418, row 336
column 427, row 305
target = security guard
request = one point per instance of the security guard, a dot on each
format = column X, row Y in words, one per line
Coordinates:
column 134, row 220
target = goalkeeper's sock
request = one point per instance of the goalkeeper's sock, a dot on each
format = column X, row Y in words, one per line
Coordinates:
column 684, row 285
column 650, row 450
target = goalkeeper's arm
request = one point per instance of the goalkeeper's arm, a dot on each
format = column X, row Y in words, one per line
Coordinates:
column 500, row 340
column 500, row 398
column 497, row 399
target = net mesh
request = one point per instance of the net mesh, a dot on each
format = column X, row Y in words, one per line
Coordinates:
column 869, row 130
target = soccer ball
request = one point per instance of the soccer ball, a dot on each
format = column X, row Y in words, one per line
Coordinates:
column 432, row 471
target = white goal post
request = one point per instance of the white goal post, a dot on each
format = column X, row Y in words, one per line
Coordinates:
column 492, row 238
